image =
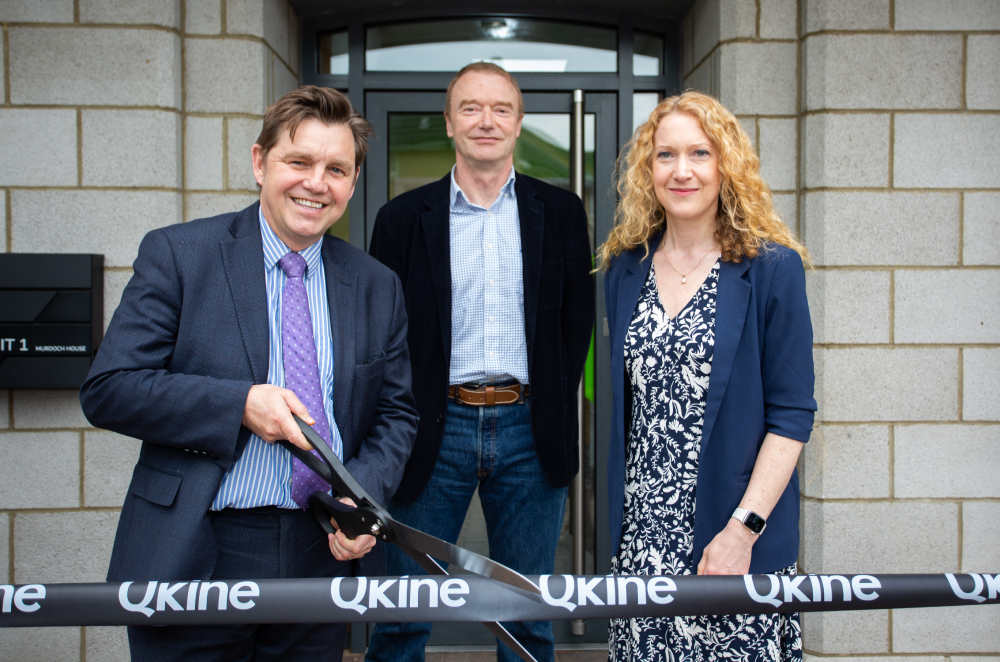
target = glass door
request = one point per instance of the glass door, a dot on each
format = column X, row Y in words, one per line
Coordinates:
column 413, row 149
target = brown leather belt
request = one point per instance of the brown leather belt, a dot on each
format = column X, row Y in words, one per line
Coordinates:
column 487, row 396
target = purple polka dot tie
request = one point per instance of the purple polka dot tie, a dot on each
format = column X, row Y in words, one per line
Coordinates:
column 298, row 352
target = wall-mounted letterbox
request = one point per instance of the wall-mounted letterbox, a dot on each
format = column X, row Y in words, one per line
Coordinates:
column 51, row 318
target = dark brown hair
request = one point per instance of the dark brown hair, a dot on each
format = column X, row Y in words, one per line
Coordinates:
column 484, row 68
column 318, row 103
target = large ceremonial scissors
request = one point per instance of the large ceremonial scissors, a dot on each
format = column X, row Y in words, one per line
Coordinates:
column 369, row 518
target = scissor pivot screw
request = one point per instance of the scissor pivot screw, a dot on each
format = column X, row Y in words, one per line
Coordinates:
column 376, row 529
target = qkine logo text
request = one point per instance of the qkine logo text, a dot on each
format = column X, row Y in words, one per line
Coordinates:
column 24, row 599
column 405, row 591
column 197, row 597
column 656, row 589
column 991, row 584
column 822, row 588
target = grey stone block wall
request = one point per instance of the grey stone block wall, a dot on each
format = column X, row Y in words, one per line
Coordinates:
column 897, row 190
column 114, row 120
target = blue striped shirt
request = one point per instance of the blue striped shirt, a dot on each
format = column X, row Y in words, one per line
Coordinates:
column 487, row 289
column 263, row 474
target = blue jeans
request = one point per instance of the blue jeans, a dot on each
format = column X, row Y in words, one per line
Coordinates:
column 492, row 448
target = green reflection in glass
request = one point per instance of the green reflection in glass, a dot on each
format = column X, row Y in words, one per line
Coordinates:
column 342, row 228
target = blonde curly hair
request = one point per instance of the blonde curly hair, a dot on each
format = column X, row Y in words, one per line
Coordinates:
column 746, row 219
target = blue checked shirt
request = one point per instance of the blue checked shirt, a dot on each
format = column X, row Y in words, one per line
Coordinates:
column 263, row 474
column 487, row 289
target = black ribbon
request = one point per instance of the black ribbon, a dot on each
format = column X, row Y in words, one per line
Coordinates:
column 475, row 598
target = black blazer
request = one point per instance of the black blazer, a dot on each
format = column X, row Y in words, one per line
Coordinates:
column 185, row 345
column 411, row 237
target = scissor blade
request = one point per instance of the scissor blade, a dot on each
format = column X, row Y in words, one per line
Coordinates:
column 419, row 541
column 432, row 568
column 512, row 643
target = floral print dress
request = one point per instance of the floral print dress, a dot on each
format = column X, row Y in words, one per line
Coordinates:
column 669, row 362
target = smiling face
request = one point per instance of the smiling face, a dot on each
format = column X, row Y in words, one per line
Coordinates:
column 686, row 175
column 306, row 183
column 484, row 119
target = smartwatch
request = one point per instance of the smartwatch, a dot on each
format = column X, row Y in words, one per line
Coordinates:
column 754, row 522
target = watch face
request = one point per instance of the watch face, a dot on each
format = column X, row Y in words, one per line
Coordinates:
column 754, row 522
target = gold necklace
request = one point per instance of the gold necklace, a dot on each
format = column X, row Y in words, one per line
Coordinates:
column 684, row 279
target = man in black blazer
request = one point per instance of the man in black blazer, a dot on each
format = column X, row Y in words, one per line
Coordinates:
column 495, row 268
column 195, row 363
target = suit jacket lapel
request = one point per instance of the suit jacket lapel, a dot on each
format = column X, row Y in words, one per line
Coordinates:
column 531, row 213
column 341, row 297
column 243, row 262
column 730, row 314
column 435, row 220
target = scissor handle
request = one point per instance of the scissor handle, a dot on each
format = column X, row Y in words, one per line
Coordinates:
column 353, row 521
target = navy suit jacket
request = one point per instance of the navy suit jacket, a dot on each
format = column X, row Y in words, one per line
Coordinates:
column 412, row 237
column 762, row 381
column 185, row 345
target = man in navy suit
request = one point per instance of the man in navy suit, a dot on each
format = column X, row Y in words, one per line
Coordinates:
column 495, row 267
column 195, row 364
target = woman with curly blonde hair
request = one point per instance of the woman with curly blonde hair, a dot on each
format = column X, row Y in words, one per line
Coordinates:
column 712, row 376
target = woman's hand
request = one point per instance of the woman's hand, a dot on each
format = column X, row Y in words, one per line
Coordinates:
column 729, row 551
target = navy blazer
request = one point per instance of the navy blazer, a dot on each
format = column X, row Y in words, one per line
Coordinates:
column 762, row 381
column 412, row 237
column 185, row 345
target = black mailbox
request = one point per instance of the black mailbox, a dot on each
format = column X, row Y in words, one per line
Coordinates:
column 51, row 318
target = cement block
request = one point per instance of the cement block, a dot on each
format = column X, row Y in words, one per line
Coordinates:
column 261, row 18
column 953, row 629
column 881, row 658
column 145, row 12
column 847, row 150
column 3, row 221
column 40, row 644
column 206, row 205
column 203, row 16
column 131, row 148
column 846, row 462
column 3, row 59
column 883, row 71
column 56, row 408
column 982, row 74
column 881, row 384
column 4, row 548
column 86, row 538
column 705, row 78
column 27, row 483
column 778, row 19
column 847, row 15
column 109, row 222
column 786, row 206
column 107, row 644
column 981, row 221
column 242, row 135
column 284, row 80
column 721, row 20
column 846, row 633
column 4, row 410
column 980, row 533
column 849, row 306
column 876, row 228
column 884, row 537
column 981, row 384
column 948, row 306
column 945, row 461
column 37, row 147
column 94, row 66
column 108, row 461
column 759, row 78
column 203, row 147
column 114, row 285
column 954, row 15
column 36, row 11
column 226, row 76
column 779, row 153
column 963, row 148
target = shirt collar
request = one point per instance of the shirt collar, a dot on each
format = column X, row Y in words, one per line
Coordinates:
column 456, row 190
column 275, row 248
